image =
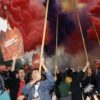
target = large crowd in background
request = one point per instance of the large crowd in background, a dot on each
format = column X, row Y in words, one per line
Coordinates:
column 72, row 84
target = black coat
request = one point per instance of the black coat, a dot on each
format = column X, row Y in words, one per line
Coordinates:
column 89, row 86
column 76, row 88
column 98, row 81
column 14, row 85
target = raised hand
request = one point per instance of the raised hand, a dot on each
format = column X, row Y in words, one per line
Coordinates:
column 87, row 64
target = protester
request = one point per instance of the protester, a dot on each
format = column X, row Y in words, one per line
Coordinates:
column 89, row 86
column 62, row 88
column 76, row 87
column 38, row 89
column 17, row 81
column 97, row 65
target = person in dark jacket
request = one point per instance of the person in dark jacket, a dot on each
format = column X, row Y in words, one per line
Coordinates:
column 17, row 81
column 76, row 83
column 89, row 85
column 97, row 65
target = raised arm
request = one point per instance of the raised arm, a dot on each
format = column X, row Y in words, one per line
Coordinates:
column 86, row 66
column 12, row 71
column 13, row 64
column 49, row 82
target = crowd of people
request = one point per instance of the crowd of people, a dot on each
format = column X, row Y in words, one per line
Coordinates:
column 79, row 85
column 72, row 84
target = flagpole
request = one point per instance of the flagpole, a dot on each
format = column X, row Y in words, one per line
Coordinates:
column 44, row 33
column 80, row 27
column 56, row 66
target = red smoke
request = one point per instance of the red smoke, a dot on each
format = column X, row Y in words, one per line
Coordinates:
column 85, row 1
column 28, row 16
column 95, row 18
column 74, row 43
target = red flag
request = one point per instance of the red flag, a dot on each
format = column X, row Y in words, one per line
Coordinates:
column 12, row 44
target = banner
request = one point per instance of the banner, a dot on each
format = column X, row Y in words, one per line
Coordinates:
column 12, row 44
